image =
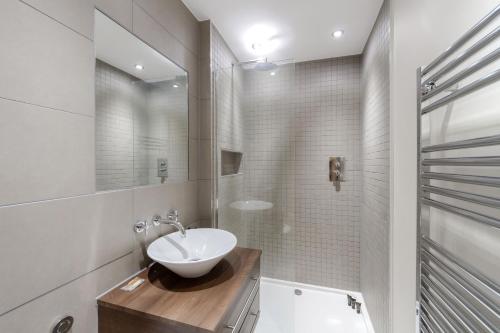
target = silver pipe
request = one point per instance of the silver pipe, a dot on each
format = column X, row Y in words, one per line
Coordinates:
column 470, row 288
column 419, row 182
column 474, row 273
column 470, row 143
column 478, row 315
column 470, row 197
column 423, row 329
column 462, row 40
column 488, row 220
column 489, row 58
column 440, row 317
column 465, row 313
column 463, row 161
column 445, row 307
column 468, row 179
column 464, row 91
column 462, row 57
column 430, row 324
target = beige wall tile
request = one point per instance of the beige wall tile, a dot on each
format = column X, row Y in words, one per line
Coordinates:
column 176, row 19
column 205, row 115
column 205, row 78
column 49, row 61
column 150, row 31
column 75, row 14
column 158, row 199
column 191, row 208
column 44, row 153
column 120, row 11
column 52, row 242
column 205, row 157
column 146, row 28
column 204, row 199
column 194, row 126
column 193, row 159
column 43, row 62
column 76, row 299
column 204, row 50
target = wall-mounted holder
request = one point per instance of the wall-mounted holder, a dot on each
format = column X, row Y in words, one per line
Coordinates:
column 337, row 167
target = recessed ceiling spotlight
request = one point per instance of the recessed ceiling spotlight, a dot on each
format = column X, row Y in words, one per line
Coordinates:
column 272, row 73
column 139, row 67
column 338, row 33
column 175, row 85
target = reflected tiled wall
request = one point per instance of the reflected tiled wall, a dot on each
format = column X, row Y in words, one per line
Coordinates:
column 117, row 101
column 137, row 123
column 375, row 172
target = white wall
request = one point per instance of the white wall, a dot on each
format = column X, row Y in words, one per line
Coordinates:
column 421, row 30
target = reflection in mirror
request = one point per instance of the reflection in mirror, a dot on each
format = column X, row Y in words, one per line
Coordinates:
column 141, row 112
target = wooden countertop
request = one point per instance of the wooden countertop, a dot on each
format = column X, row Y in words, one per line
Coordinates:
column 198, row 305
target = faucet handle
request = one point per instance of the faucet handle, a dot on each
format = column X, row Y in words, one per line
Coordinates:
column 173, row 213
column 156, row 220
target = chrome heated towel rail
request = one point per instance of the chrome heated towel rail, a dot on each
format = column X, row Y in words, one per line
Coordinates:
column 457, row 179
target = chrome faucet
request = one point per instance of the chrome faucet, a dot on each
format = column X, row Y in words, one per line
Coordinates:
column 172, row 219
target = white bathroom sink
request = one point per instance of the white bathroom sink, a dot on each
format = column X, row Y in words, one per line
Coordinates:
column 194, row 255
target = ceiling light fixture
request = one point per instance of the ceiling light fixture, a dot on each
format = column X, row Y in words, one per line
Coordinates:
column 139, row 67
column 338, row 33
column 272, row 73
column 261, row 39
column 175, row 86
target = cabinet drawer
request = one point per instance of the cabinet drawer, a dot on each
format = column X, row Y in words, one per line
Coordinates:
column 252, row 316
column 242, row 306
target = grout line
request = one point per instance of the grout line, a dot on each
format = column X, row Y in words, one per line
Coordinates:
column 61, row 23
column 62, row 198
column 46, row 107
column 66, row 283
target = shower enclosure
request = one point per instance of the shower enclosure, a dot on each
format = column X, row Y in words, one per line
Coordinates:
column 276, row 127
column 255, row 145
column 276, row 130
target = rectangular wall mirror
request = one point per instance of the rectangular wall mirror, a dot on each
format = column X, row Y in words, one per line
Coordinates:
column 141, row 120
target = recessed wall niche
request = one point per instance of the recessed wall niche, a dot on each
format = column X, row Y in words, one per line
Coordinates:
column 230, row 162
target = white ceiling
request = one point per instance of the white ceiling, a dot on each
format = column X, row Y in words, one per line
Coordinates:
column 301, row 29
column 119, row 48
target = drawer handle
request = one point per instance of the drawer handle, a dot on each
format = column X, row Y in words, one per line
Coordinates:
column 247, row 304
column 255, row 313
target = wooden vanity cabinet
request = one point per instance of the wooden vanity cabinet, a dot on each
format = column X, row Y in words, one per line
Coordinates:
column 224, row 301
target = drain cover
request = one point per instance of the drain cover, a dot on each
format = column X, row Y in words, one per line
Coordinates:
column 298, row 292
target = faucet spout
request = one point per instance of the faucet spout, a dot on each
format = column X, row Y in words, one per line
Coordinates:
column 172, row 219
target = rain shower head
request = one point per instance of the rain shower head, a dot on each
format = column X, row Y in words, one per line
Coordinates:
column 265, row 66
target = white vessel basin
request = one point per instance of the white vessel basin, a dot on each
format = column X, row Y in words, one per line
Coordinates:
column 196, row 254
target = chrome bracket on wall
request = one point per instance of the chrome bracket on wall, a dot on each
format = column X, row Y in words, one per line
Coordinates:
column 336, row 167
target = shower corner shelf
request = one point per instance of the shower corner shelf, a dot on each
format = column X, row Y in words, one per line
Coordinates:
column 230, row 162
